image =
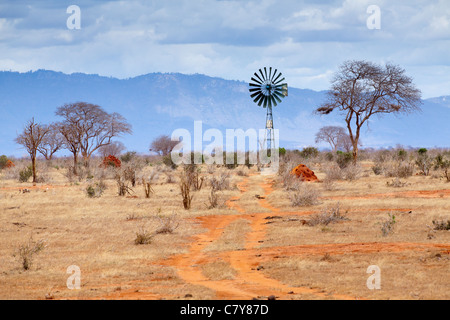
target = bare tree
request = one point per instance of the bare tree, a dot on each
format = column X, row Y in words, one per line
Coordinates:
column 31, row 138
column 71, row 142
column 52, row 142
column 113, row 149
column 361, row 89
column 93, row 126
column 163, row 145
column 332, row 135
column 346, row 143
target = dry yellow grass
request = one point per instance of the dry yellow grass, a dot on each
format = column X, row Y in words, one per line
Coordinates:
column 218, row 270
column 98, row 236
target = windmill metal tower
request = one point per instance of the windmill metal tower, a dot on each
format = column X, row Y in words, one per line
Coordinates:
column 267, row 90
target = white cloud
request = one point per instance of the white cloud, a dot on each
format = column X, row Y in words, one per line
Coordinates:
column 305, row 40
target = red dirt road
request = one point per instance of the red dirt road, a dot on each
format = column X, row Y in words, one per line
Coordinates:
column 249, row 282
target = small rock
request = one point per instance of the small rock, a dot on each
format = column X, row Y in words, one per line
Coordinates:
column 49, row 296
column 272, row 297
column 188, row 295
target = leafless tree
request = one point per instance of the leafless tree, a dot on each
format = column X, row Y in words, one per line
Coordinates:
column 71, row 142
column 361, row 89
column 93, row 126
column 163, row 145
column 113, row 149
column 52, row 142
column 332, row 135
column 345, row 143
column 31, row 138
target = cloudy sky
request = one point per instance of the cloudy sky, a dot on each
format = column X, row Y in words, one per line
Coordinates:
column 306, row 40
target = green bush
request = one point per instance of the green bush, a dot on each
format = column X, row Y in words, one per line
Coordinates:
column 329, row 156
column 127, row 157
column 422, row 151
column 309, row 153
column 25, row 174
column 95, row 190
column 3, row 161
column 424, row 162
column 402, row 154
column 343, row 159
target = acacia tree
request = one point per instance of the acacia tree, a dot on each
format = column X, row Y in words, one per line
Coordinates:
column 361, row 89
column 113, row 149
column 163, row 145
column 52, row 142
column 333, row 135
column 92, row 126
column 31, row 138
column 71, row 142
column 345, row 143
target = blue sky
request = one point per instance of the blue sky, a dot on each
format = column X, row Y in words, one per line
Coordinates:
column 306, row 40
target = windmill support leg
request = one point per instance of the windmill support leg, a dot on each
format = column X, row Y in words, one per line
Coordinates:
column 269, row 130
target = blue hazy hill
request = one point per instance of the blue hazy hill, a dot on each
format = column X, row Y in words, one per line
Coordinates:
column 159, row 103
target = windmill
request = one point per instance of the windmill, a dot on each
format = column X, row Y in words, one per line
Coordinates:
column 267, row 90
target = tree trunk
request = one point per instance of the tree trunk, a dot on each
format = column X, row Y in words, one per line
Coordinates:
column 354, row 139
column 75, row 164
column 355, row 154
column 33, row 164
column 86, row 161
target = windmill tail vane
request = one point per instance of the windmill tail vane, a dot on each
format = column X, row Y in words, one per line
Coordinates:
column 267, row 90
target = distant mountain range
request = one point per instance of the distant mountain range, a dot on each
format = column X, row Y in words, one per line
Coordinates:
column 157, row 103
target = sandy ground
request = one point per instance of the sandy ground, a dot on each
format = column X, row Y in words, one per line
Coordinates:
column 258, row 246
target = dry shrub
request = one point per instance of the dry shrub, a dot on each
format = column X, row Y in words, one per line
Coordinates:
column 304, row 194
column 220, row 182
column 387, row 227
column 185, row 188
column 211, row 168
column 333, row 172
column 441, row 225
column 143, row 237
column 329, row 185
column 122, row 186
column 396, row 183
column 286, row 178
column 327, row 216
column 148, row 190
column 154, row 175
column 397, row 169
column 26, row 252
column 170, row 178
column 242, row 172
column 12, row 173
column 168, row 224
column 96, row 190
column 129, row 174
column 352, row 172
column 213, row 199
